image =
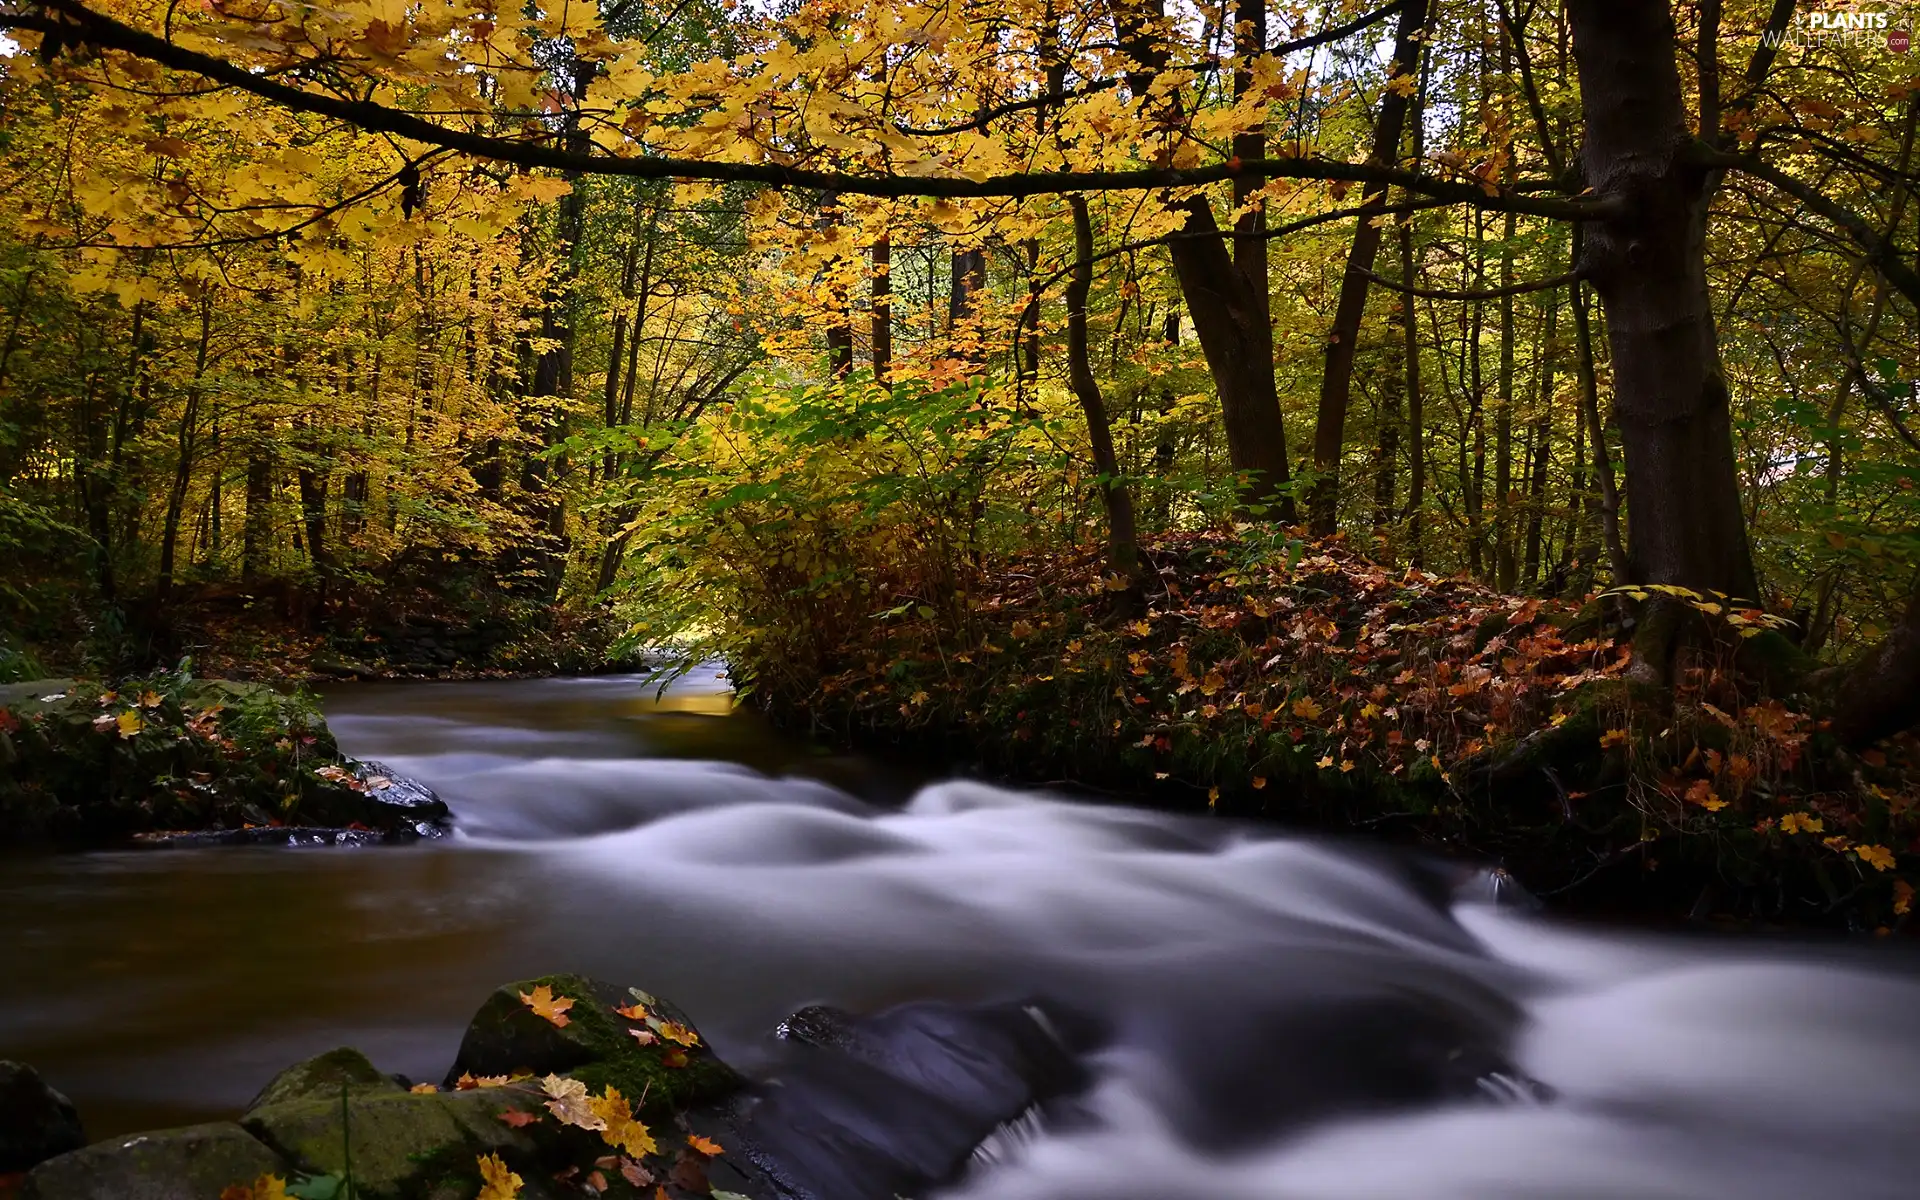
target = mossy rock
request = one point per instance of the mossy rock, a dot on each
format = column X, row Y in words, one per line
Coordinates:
column 321, row 1078
column 403, row 1145
column 197, row 1162
column 507, row 1037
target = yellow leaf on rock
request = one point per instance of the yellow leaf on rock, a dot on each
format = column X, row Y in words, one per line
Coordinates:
column 267, row 1187
column 673, row 1031
column 545, row 1004
column 703, row 1146
column 496, row 1181
column 617, row 1126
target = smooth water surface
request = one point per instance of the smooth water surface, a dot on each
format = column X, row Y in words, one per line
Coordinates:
column 1275, row 1004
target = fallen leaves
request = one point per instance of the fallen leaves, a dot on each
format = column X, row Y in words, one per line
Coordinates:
column 496, row 1181
column 267, row 1187
column 704, row 1146
column 619, row 1129
column 1877, row 857
column 545, row 1004
column 1800, row 822
column 570, row 1103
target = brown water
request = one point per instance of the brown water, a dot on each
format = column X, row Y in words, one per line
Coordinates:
column 1276, row 1004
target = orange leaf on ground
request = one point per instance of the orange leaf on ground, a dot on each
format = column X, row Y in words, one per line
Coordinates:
column 705, row 1146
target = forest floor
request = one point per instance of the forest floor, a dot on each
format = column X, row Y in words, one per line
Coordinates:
column 1304, row 683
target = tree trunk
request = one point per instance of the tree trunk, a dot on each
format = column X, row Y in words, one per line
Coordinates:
column 883, row 310
column 183, row 464
column 1123, row 548
column 1336, row 380
column 1229, row 316
column 1648, row 266
column 1505, row 567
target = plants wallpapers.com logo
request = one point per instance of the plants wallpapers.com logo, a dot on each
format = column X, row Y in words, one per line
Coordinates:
column 1850, row 28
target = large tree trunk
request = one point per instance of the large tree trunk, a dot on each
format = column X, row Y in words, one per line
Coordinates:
column 1648, row 266
column 1228, row 310
column 1336, row 380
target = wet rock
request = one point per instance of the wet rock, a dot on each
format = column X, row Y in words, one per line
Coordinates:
column 595, row 1046
column 867, row 1108
column 36, row 1122
column 321, row 1078
column 197, row 1162
column 401, row 1144
column 395, row 797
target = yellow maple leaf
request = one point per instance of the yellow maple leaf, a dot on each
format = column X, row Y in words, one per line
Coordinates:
column 618, row 1128
column 469, row 1081
column 1612, row 738
column 1306, row 708
column 570, row 1103
column 704, row 1147
column 673, row 1031
column 633, row 1012
column 149, row 699
column 267, row 1187
column 1878, row 857
column 423, row 1089
column 1800, row 822
column 1902, row 897
column 1346, row 764
column 1325, row 762
column 496, row 1181
column 1838, row 841
column 545, row 1004
column 130, row 723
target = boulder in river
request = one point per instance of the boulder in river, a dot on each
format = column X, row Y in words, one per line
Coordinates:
column 36, row 1122
column 601, row 1034
column 197, row 1162
column 321, row 1078
column 401, row 1145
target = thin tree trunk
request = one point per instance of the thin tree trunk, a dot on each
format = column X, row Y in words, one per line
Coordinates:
column 183, row 464
column 1123, row 547
column 1336, row 380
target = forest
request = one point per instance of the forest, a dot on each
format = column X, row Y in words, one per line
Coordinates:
column 1407, row 403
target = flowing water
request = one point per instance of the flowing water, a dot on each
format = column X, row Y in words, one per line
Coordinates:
column 1284, row 1014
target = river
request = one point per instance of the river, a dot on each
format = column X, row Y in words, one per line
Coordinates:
column 1289, row 1017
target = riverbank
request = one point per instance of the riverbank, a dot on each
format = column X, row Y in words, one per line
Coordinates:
column 1301, row 682
column 172, row 759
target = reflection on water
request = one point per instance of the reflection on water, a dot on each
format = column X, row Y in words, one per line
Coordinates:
column 1279, row 1008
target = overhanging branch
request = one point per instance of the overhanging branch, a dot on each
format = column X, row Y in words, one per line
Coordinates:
column 76, row 22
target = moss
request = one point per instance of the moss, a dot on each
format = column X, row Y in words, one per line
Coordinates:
column 402, row 1146
column 594, row 1046
column 322, row 1077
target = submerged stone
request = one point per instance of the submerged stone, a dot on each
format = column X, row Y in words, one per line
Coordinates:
column 36, row 1122
column 197, row 1162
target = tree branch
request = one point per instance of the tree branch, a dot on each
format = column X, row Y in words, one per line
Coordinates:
column 1517, row 289
column 82, row 23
